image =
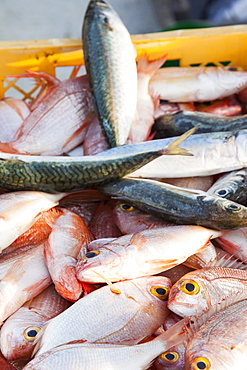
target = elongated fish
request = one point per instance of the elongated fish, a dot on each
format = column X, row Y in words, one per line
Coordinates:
column 110, row 63
column 67, row 174
column 177, row 123
column 212, row 153
column 84, row 356
column 179, row 205
column 187, row 84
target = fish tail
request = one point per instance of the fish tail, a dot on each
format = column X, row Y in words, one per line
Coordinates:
column 173, row 149
column 149, row 67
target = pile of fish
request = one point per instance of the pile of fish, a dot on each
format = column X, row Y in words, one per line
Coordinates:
column 121, row 249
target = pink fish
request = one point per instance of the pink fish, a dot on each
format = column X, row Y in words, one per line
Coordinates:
column 68, row 236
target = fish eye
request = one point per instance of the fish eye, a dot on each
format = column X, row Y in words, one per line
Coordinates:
column 221, row 192
column 234, row 207
column 201, row 363
column 169, row 357
column 160, row 292
column 90, row 254
column 30, row 333
column 190, row 287
column 125, row 207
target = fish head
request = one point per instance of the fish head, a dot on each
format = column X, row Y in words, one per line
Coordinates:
column 234, row 213
column 18, row 336
column 190, row 295
column 93, row 266
column 210, row 356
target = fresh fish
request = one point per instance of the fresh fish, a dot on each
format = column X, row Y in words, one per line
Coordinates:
column 220, row 342
column 83, row 355
column 232, row 186
column 143, row 253
column 67, row 174
column 20, row 329
column 197, row 291
column 144, row 119
column 22, row 279
column 69, row 235
column 110, row 63
column 213, row 153
column 12, row 114
column 135, row 313
column 20, row 210
column 179, row 205
column 59, row 122
column 191, row 84
column 177, row 123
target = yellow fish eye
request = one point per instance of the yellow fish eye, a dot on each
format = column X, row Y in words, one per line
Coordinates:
column 233, row 207
column 200, row 363
column 169, row 357
column 190, row 287
column 125, row 207
column 91, row 254
column 160, row 292
column 30, row 333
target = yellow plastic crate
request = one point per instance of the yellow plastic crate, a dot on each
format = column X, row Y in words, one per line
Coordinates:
column 210, row 46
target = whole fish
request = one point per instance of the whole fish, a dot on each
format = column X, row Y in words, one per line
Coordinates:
column 143, row 253
column 179, row 205
column 232, row 186
column 197, row 291
column 20, row 329
column 136, row 312
column 83, row 355
column 68, row 236
column 66, row 174
column 20, row 210
column 220, row 342
column 177, row 123
column 110, row 63
column 188, row 84
column 213, row 153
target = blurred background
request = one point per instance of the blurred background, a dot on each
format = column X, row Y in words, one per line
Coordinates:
column 32, row 19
